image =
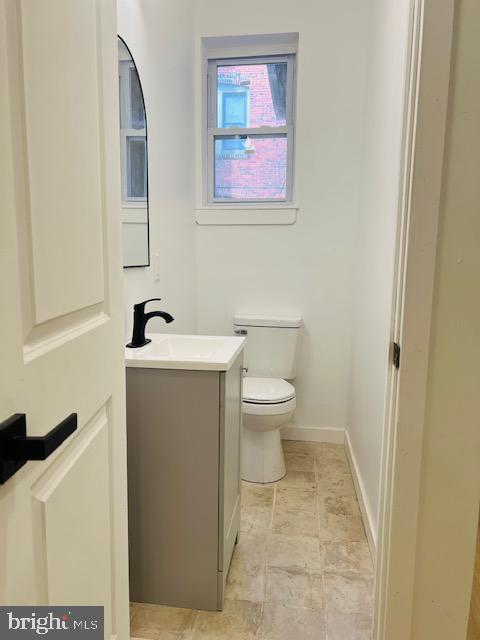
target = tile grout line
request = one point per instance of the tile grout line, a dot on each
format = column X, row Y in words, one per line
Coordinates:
column 265, row 562
column 322, row 568
column 317, row 511
column 267, row 544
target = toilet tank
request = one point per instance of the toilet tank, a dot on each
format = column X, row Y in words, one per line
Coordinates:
column 271, row 346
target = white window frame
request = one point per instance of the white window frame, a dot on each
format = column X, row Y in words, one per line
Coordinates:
column 213, row 131
column 126, row 132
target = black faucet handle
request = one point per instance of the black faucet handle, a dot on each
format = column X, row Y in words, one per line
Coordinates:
column 141, row 305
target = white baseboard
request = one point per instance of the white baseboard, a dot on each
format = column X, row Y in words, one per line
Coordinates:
column 360, row 491
column 313, row 434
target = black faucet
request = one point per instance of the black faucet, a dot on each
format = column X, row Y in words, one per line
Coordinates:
column 140, row 319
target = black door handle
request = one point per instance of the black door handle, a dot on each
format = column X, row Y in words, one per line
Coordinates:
column 16, row 447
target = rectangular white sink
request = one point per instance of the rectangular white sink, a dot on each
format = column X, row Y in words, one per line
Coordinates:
column 173, row 351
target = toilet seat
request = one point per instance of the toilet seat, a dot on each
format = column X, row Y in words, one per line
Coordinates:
column 268, row 409
column 267, row 391
column 268, row 397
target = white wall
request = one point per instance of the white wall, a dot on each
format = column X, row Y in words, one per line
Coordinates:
column 375, row 243
column 159, row 34
column 305, row 268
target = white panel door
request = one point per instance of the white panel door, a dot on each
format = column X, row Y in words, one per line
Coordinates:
column 63, row 521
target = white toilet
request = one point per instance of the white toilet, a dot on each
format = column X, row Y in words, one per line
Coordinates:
column 268, row 399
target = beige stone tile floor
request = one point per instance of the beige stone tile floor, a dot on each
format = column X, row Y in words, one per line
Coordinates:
column 301, row 570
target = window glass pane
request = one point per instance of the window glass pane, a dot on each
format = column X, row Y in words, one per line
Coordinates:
column 136, row 168
column 137, row 110
column 254, row 169
column 252, row 95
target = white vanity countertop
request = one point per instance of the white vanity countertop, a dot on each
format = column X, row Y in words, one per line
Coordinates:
column 175, row 351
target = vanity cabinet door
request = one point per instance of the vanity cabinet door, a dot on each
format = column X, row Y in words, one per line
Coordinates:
column 230, row 479
column 173, row 439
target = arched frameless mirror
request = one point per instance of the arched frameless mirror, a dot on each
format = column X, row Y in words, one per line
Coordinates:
column 134, row 162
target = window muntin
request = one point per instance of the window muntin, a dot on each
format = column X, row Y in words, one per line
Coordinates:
column 250, row 130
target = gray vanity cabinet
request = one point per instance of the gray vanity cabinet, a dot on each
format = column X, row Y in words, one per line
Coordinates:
column 184, row 433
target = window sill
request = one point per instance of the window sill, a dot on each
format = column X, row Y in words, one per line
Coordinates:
column 246, row 215
column 134, row 216
column 134, row 205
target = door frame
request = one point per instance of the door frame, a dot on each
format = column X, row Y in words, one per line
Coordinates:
column 425, row 118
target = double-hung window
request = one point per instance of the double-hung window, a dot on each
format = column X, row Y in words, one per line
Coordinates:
column 250, row 129
column 133, row 135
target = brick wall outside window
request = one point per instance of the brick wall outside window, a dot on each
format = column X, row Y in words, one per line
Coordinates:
column 259, row 171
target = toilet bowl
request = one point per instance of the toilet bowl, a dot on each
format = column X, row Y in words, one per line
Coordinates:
column 268, row 396
column 268, row 403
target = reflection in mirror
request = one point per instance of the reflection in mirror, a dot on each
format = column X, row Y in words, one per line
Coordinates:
column 134, row 162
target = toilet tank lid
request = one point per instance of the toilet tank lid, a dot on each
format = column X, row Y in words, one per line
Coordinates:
column 292, row 322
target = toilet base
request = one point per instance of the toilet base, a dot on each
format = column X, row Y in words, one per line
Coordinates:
column 262, row 459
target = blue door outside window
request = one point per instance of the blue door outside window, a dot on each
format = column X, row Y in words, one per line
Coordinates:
column 234, row 114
